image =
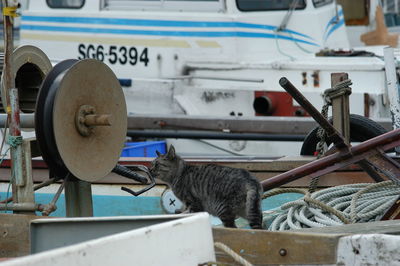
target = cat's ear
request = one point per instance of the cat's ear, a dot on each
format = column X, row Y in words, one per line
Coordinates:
column 158, row 153
column 171, row 152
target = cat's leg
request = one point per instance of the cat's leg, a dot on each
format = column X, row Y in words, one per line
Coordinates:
column 253, row 209
column 228, row 221
column 225, row 212
column 196, row 206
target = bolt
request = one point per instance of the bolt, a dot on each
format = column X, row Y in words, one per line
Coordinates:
column 282, row 252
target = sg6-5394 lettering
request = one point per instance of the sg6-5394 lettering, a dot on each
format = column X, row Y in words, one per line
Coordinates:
column 114, row 54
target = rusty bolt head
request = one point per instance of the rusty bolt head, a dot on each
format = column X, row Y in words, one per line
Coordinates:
column 283, row 252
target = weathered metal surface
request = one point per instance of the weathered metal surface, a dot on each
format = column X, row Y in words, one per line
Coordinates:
column 273, row 125
column 197, row 134
column 86, row 120
column 29, row 66
column 368, row 249
column 392, row 85
column 78, row 198
column 25, row 194
column 92, row 157
column 44, row 120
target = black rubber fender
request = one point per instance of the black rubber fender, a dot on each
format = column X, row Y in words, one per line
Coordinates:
column 361, row 129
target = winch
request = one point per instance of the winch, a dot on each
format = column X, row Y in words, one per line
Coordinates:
column 80, row 123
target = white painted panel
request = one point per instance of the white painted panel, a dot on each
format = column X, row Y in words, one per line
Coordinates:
column 371, row 249
column 187, row 241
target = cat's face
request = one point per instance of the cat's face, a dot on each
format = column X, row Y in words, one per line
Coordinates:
column 164, row 167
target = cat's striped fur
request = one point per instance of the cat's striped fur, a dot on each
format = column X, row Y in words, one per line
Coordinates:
column 222, row 191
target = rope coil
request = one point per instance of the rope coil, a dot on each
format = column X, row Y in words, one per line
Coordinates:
column 339, row 205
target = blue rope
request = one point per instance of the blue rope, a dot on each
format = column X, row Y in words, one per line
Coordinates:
column 14, row 141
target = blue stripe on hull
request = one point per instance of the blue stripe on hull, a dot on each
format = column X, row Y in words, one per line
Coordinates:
column 157, row 23
column 204, row 34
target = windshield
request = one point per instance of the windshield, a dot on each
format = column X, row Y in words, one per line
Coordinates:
column 318, row 3
column 65, row 3
column 262, row 5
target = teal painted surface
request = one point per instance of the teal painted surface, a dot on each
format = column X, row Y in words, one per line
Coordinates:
column 278, row 200
column 128, row 205
column 107, row 205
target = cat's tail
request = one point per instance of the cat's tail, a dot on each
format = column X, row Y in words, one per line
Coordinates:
column 253, row 208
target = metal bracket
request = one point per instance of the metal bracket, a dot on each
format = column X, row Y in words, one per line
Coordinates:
column 150, row 177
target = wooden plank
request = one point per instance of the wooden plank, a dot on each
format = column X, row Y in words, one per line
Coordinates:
column 261, row 247
column 14, row 234
column 382, row 227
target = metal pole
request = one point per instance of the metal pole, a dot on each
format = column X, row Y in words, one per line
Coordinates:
column 78, row 198
column 185, row 134
column 12, row 108
column 393, row 88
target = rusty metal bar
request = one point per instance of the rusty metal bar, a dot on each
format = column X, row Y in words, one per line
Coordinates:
column 21, row 207
column 51, row 207
column 337, row 139
column 98, row 120
column 356, row 159
column 384, row 142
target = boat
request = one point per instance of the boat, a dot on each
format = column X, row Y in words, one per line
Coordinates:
column 317, row 247
column 217, row 58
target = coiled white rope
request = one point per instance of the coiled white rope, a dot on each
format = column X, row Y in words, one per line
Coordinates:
column 338, row 205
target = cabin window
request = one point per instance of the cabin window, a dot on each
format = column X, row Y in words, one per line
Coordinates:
column 318, row 3
column 391, row 10
column 168, row 5
column 355, row 11
column 65, row 3
column 262, row 5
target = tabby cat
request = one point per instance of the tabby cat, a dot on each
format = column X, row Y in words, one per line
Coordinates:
column 222, row 191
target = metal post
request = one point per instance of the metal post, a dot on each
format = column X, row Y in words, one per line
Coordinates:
column 78, row 198
column 20, row 193
column 25, row 193
column 393, row 88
